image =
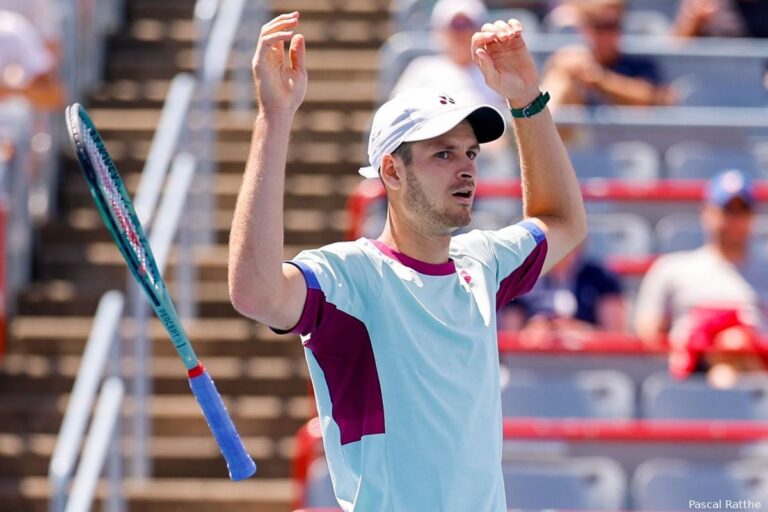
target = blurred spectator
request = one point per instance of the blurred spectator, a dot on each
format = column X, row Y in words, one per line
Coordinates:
column 453, row 22
column 597, row 73
column 578, row 294
column 714, row 296
column 27, row 67
column 45, row 15
column 722, row 18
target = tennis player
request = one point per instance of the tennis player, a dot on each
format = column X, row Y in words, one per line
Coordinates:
column 400, row 332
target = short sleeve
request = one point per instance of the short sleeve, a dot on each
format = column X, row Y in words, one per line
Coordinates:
column 339, row 281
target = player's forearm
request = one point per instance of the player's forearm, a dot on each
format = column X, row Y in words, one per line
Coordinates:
column 550, row 188
column 256, row 237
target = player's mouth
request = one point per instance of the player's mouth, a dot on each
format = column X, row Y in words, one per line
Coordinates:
column 464, row 195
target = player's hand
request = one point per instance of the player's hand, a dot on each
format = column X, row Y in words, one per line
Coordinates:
column 507, row 65
column 281, row 81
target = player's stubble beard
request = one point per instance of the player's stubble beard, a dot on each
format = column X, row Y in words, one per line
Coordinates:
column 416, row 201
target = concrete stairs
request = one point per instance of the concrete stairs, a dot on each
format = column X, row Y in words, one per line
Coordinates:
column 261, row 376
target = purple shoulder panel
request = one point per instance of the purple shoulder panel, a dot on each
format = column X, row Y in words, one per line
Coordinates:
column 524, row 277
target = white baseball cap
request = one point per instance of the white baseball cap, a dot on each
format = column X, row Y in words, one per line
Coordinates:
column 444, row 12
column 424, row 113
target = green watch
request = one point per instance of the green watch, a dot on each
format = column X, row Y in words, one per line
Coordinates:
column 532, row 108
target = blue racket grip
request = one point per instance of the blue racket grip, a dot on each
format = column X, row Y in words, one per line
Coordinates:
column 239, row 463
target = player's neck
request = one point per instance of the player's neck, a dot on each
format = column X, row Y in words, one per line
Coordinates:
column 405, row 239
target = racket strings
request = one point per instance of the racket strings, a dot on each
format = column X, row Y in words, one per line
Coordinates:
column 117, row 203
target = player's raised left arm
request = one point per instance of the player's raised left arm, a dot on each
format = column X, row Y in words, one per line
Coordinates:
column 551, row 194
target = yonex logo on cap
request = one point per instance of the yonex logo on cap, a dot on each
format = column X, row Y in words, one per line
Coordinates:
column 446, row 99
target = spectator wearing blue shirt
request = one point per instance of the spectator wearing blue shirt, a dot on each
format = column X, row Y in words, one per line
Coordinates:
column 597, row 73
column 578, row 294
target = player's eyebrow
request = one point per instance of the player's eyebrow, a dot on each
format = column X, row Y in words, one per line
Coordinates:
column 446, row 145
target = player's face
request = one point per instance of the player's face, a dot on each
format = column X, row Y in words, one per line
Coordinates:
column 440, row 182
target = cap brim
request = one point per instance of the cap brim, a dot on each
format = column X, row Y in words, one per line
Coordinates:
column 487, row 123
column 368, row 172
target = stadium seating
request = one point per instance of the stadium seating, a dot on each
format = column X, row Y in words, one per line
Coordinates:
column 696, row 160
column 665, row 397
column 673, row 484
column 574, row 484
column 628, row 160
column 682, row 231
column 623, row 234
column 586, row 394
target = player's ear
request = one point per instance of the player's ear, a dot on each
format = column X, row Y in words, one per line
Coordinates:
column 391, row 172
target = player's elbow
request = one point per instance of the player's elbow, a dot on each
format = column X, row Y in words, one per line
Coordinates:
column 246, row 301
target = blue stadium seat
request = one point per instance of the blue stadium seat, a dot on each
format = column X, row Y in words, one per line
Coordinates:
column 663, row 396
column 588, row 483
column 624, row 234
column 697, row 160
column 587, row 394
column 632, row 160
column 683, row 232
column 661, row 484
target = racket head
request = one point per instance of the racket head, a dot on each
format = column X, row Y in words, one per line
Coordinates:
column 112, row 200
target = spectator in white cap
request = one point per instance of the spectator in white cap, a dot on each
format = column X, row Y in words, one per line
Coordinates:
column 399, row 331
column 27, row 66
column 453, row 22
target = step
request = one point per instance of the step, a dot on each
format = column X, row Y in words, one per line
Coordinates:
column 308, row 191
column 175, row 415
column 150, row 60
column 211, row 337
column 277, row 376
column 309, row 225
column 321, row 158
column 102, row 262
column 124, row 125
column 171, row 457
column 337, row 94
column 164, row 38
column 31, row 494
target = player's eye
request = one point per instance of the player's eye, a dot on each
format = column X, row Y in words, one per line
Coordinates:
column 472, row 154
column 443, row 155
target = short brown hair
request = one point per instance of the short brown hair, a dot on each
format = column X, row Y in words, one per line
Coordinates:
column 404, row 152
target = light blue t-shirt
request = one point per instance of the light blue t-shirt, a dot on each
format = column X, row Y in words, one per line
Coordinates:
column 404, row 361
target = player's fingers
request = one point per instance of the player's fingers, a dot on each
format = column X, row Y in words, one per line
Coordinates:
column 484, row 37
column 280, row 22
column 488, row 27
column 296, row 52
column 486, row 64
column 503, row 29
column 515, row 25
column 275, row 38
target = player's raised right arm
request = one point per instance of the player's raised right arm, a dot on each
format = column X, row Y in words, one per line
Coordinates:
column 260, row 286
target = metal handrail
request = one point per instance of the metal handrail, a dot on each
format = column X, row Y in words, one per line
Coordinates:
column 167, row 139
column 218, row 24
column 100, row 442
column 101, row 343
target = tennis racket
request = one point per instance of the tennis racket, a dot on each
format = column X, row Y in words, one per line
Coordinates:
column 118, row 213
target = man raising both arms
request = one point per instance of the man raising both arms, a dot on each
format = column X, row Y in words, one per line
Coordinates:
column 400, row 332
